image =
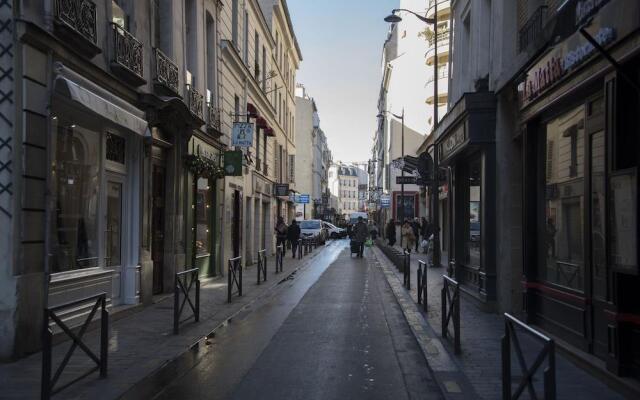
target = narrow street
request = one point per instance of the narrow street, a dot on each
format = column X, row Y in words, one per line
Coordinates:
column 333, row 332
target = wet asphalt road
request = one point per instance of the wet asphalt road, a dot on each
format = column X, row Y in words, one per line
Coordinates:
column 333, row 332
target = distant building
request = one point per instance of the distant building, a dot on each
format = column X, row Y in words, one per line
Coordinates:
column 343, row 182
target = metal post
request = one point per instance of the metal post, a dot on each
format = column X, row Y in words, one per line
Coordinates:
column 240, row 279
column 176, row 304
column 45, row 384
column 229, row 283
column 550, row 373
column 456, row 319
column 419, row 283
column 104, row 338
column 402, row 174
column 435, row 215
column 197, row 313
column 443, row 301
column 506, row 363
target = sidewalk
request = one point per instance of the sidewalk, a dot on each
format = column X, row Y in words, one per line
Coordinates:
column 480, row 335
column 143, row 345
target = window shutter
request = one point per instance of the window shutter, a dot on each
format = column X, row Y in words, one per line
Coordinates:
column 292, row 168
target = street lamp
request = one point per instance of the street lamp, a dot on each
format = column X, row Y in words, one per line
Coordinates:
column 395, row 18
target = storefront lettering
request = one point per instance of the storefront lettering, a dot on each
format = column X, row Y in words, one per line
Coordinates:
column 543, row 77
column 451, row 143
column 603, row 37
column 585, row 8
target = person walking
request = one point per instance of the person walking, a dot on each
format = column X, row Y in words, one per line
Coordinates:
column 415, row 225
column 293, row 235
column 390, row 232
column 360, row 235
column 281, row 232
column 408, row 236
column 425, row 233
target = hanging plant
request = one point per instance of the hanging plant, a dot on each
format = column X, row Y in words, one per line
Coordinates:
column 203, row 167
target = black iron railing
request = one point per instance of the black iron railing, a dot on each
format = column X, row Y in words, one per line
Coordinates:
column 166, row 71
column 280, row 250
column 451, row 310
column 511, row 324
column 406, row 270
column 127, row 51
column 183, row 283
column 234, row 274
column 48, row 385
column 532, row 30
column 262, row 265
column 213, row 118
column 422, row 283
column 79, row 16
column 196, row 102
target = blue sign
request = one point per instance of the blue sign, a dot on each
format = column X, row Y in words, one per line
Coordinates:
column 385, row 201
column 302, row 199
column 242, row 135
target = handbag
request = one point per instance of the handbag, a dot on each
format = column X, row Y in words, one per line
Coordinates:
column 368, row 243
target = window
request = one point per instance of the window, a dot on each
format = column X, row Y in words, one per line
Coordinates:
column 204, row 200
column 264, row 69
column 234, row 22
column 236, row 108
column 562, row 242
column 474, row 194
column 246, row 38
column 118, row 15
column 256, row 50
column 292, row 168
column 77, row 184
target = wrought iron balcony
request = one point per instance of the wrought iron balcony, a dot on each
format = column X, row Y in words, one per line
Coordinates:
column 532, row 30
column 166, row 72
column 196, row 102
column 443, row 36
column 76, row 19
column 213, row 119
column 127, row 58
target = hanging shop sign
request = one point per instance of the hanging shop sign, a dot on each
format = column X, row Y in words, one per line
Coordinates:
column 281, row 189
column 233, row 163
column 612, row 21
column 302, row 199
column 452, row 142
column 405, row 180
column 385, row 201
column 242, row 134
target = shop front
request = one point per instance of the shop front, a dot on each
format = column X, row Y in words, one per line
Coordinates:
column 203, row 164
column 580, row 146
column 466, row 149
column 96, row 145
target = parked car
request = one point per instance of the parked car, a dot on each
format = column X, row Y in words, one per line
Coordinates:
column 334, row 231
column 313, row 229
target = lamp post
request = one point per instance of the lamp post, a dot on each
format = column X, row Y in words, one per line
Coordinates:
column 434, row 215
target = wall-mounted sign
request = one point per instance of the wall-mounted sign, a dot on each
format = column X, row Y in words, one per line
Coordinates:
column 302, row 199
column 385, row 201
column 233, row 163
column 612, row 21
column 405, row 180
column 281, row 189
column 453, row 141
column 242, row 134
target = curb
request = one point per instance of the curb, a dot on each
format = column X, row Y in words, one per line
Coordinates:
column 152, row 384
column 453, row 383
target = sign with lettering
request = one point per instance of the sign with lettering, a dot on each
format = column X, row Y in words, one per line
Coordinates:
column 242, row 135
column 385, row 201
column 609, row 21
column 405, row 180
column 455, row 140
column 233, row 163
column 302, row 199
column 281, row 189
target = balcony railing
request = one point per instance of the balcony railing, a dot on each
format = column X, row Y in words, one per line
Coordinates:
column 166, row 71
column 79, row 18
column 443, row 72
column 443, row 35
column 213, row 118
column 533, row 28
column 196, row 102
column 127, row 55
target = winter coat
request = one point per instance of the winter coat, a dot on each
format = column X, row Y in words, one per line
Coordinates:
column 281, row 230
column 360, row 232
column 390, row 231
column 408, row 235
column 293, row 232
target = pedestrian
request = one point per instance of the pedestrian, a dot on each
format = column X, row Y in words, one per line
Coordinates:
column 281, row 232
column 425, row 233
column 373, row 231
column 415, row 225
column 293, row 235
column 360, row 235
column 408, row 235
column 390, row 232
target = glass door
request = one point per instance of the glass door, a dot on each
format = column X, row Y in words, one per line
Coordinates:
column 114, row 233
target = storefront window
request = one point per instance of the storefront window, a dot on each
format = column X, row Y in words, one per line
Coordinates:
column 76, row 178
column 564, row 200
column 203, row 217
column 409, row 207
column 473, row 241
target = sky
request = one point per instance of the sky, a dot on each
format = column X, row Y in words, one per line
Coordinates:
column 341, row 43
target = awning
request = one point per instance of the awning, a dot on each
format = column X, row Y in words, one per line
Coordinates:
column 98, row 100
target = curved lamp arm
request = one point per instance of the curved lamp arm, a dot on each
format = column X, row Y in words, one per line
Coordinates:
column 420, row 17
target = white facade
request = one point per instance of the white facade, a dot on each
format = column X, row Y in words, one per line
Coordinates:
column 343, row 182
